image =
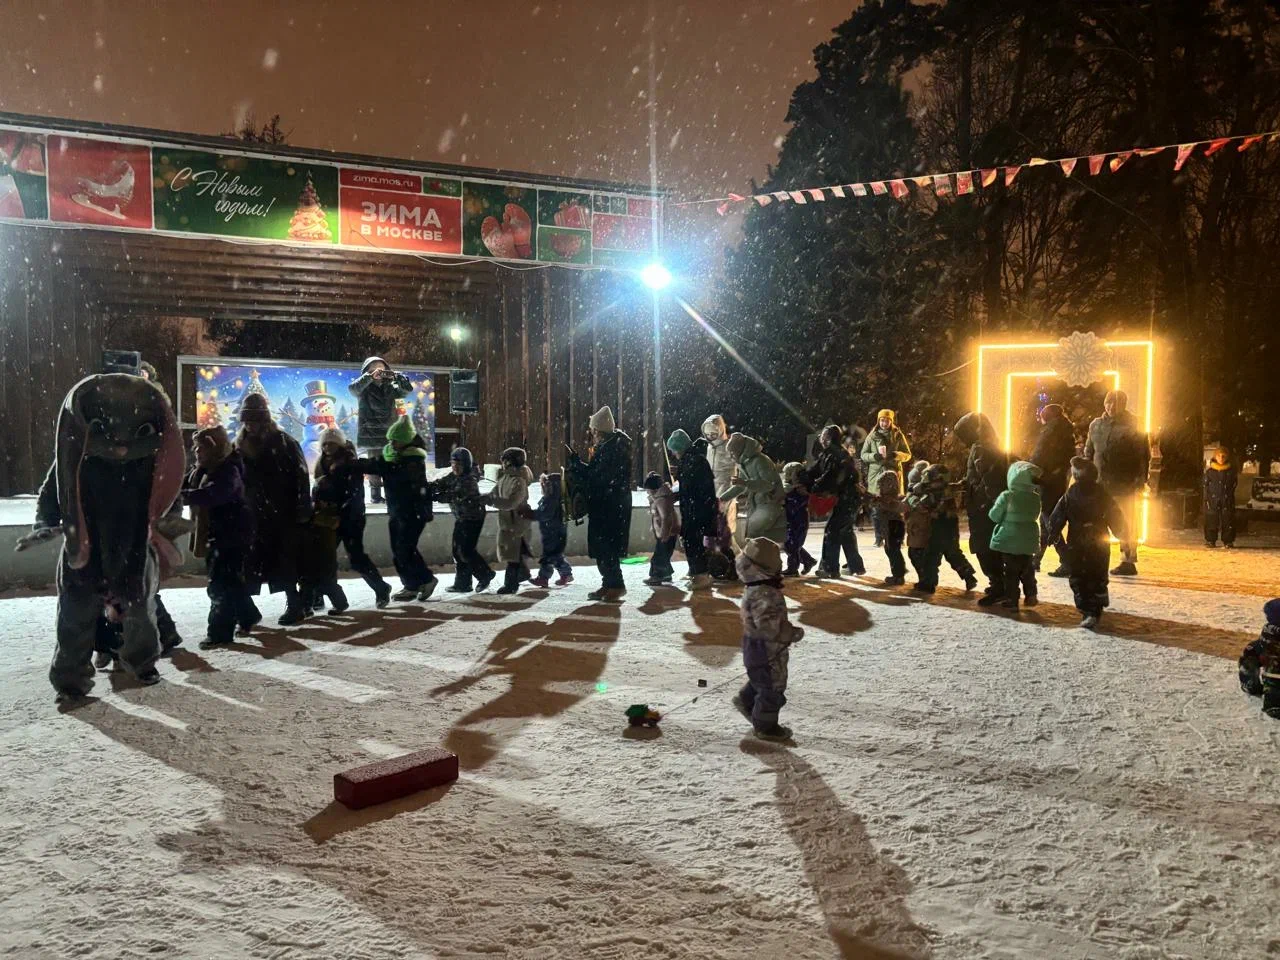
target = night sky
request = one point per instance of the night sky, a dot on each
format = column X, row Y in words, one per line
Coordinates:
column 545, row 87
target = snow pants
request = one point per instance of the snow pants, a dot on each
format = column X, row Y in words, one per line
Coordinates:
column 1220, row 518
column 981, row 527
column 894, row 531
column 1088, row 564
column 230, row 604
column 80, row 605
column 351, row 533
column 660, row 564
column 468, row 562
column 839, row 535
column 764, row 694
column 944, row 542
column 1019, row 570
column 411, row 568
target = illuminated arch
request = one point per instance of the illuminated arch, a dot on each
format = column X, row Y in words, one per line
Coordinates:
column 1127, row 365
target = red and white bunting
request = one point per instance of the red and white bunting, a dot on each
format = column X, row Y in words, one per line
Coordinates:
column 966, row 181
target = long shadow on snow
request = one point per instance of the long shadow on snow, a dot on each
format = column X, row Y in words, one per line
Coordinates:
column 863, row 895
column 460, row 872
column 539, row 660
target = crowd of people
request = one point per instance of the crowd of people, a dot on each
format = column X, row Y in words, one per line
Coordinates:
column 260, row 519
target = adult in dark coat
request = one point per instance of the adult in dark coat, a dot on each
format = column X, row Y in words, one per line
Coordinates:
column 1054, row 449
column 279, row 492
column 606, row 478
column 836, row 475
column 699, row 507
column 985, row 479
column 1121, row 451
column 377, row 389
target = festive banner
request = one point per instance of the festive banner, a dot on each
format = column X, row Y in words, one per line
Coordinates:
column 989, row 176
column 390, row 210
column 226, row 194
column 114, row 183
column 1011, row 174
column 564, row 227
column 100, row 182
column 1068, row 166
column 1119, row 159
column 24, row 191
column 1184, row 153
column 964, row 183
column 1095, row 164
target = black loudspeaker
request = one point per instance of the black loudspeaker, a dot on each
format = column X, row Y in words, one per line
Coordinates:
column 122, row 361
column 464, row 392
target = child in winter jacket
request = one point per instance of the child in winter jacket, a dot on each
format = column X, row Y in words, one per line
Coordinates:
column 223, row 532
column 403, row 469
column 665, row 520
column 767, row 637
column 1260, row 662
column 511, row 497
column 892, row 508
column 1016, row 514
column 1220, row 481
column 917, row 520
column 338, row 467
column 554, row 533
column 795, row 479
column 1089, row 515
column 934, row 495
column 460, row 488
column 318, row 555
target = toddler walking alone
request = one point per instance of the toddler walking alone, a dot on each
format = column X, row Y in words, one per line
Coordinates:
column 767, row 637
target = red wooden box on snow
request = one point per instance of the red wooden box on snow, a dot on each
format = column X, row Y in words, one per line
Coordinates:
column 395, row 778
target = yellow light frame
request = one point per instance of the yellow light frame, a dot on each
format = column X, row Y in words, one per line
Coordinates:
column 1134, row 360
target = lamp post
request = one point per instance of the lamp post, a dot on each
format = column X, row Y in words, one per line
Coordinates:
column 657, row 277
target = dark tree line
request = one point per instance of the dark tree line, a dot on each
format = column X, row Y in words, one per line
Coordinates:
column 862, row 303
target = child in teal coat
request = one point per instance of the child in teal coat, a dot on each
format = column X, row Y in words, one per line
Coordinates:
column 1016, row 514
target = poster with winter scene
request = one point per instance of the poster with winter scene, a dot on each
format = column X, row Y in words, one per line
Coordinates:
column 497, row 221
column 305, row 399
column 100, row 182
column 564, row 227
column 391, row 210
column 223, row 194
column 23, row 186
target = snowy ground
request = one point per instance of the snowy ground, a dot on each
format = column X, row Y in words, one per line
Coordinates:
column 963, row 784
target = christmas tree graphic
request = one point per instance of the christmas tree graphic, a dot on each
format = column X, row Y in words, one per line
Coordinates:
column 253, row 386
column 309, row 222
column 292, row 423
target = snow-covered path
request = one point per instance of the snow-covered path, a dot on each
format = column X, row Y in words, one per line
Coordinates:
column 963, row 785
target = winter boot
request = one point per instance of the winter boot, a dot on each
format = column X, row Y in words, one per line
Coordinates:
column 511, row 580
column 459, row 586
column 338, row 601
column 151, row 676
column 104, row 658
column 991, row 599
column 1061, row 572
column 293, row 616
column 776, row 733
column 382, row 597
column 1031, row 600
column 701, row 582
column 244, row 629
column 1250, row 665
column 540, row 582
column 807, row 565
column 427, row 589
column 1127, row 568
column 894, row 581
column 1090, row 622
column 565, row 580
column 921, row 588
column 971, row 583
column 741, row 705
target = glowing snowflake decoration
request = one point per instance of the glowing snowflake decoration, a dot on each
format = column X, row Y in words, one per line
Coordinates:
column 1081, row 359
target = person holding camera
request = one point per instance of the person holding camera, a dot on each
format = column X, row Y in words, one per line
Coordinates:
column 377, row 389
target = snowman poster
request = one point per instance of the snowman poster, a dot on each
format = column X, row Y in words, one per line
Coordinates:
column 304, row 400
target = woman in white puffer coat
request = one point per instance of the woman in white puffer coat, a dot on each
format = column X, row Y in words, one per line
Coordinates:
column 511, row 497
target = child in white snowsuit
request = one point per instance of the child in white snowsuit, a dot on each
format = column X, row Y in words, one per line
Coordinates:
column 665, row 519
column 767, row 637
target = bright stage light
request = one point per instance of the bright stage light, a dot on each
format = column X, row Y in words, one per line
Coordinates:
column 455, row 333
column 656, row 276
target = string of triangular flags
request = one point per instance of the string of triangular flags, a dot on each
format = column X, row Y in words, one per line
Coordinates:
column 962, row 182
